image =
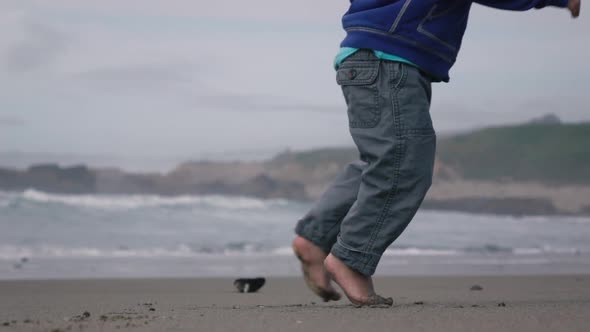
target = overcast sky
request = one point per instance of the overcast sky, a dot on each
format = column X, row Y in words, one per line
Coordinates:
column 191, row 77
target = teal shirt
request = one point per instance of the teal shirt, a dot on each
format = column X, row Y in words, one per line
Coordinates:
column 345, row 52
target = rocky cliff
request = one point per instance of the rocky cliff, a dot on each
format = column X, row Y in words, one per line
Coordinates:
column 533, row 169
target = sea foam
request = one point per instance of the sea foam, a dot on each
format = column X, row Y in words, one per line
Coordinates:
column 143, row 201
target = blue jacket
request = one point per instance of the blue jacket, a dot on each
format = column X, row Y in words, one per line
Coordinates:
column 425, row 32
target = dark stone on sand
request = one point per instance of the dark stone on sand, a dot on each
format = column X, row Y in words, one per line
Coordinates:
column 475, row 306
column 249, row 285
column 6, row 324
column 501, row 304
column 476, row 288
column 79, row 318
column 419, row 303
column 152, row 309
column 24, row 260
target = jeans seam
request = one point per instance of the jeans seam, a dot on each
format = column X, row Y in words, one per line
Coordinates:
column 325, row 236
column 396, row 161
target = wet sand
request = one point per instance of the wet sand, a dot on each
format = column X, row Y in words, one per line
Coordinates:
column 552, row 303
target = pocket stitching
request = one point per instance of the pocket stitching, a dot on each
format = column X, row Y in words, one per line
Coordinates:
column 374, row 67
column 368, row 83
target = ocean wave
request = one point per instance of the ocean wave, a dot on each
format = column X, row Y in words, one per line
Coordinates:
column 10, row 252
column 483, row 250
column 181, row 251
column 142, row 201
column 288, row 251
column 420, row 252
column 6, row 199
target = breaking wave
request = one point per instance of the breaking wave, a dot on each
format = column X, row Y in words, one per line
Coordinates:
column 10, row 252
column 141, row 201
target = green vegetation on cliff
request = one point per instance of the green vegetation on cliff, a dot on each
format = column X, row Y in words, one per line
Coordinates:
column 548, row 153
column 545, row 153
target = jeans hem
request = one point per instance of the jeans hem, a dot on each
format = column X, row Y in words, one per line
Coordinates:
column 364, row 263
column 302, row 231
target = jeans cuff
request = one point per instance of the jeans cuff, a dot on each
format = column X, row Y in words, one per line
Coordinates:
column 309, row 235
column 362, row 262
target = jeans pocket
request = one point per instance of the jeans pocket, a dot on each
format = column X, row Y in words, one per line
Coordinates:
column 358, row 80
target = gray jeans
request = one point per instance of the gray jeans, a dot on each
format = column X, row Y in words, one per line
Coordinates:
column 372, row 200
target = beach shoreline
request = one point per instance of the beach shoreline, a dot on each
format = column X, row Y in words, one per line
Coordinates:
column 422, row 303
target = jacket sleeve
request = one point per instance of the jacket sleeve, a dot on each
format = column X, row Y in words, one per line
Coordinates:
column 522, row 4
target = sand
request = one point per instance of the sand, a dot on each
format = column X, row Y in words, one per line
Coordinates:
column 552, row 303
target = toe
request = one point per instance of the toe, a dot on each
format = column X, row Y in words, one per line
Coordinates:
column 374, row 301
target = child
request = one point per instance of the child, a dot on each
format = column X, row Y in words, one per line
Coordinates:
column 393, row 50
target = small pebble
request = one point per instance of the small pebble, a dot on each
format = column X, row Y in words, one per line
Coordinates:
column 501, row 304
column 236, row 307
column 476, row 288
column 86, row 314
column 419, row 303
column 6, row 324
column 152, row 309
column 475, row 306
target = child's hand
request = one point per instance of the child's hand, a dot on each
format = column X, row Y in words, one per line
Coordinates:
column 574, row 7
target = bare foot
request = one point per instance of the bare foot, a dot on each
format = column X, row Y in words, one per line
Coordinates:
column 314, row 273
column 357, row 287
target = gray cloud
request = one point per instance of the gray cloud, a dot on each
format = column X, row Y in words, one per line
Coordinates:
column 253, row 9
column 134, row 73
column 176, row 74
column 139, row 77
column 262, row 103
column 40, row 48
column 11, row 121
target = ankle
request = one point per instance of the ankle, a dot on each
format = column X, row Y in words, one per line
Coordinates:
column 307, row 250
column 335, row 265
